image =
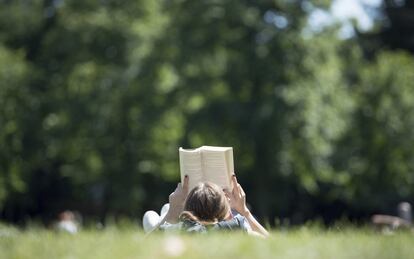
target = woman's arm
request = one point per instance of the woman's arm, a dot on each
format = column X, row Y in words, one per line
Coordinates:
column 177, row 200
column 238, row 202
column 255, row 225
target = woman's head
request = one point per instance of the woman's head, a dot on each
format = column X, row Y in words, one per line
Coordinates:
column 206, row 202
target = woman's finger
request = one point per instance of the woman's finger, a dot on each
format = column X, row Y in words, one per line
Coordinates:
column 241, row 191
column 235, row 185
column 228, row 194
column 185, row 184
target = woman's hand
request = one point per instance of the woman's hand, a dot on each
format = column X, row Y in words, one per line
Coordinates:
column 237, row 198
column 177, row 200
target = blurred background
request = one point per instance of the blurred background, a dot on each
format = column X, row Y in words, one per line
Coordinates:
column 316, row 97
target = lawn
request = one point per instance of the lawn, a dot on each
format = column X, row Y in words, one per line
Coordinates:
column 132, row 243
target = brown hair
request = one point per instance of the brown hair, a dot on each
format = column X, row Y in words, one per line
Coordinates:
column 206, row 203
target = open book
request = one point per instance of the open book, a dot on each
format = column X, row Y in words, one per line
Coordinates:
column 206, row 163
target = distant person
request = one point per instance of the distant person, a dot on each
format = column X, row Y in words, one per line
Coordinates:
column 388, row 223
column 67, row 222
column 208, row 208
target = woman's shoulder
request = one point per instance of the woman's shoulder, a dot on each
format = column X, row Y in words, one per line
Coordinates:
column 188, row 226
column 238, row 222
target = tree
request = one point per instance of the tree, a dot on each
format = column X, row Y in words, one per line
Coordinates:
column 376, row 152
column 398, row 30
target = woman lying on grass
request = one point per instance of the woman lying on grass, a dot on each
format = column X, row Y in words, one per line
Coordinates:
column 207, row 207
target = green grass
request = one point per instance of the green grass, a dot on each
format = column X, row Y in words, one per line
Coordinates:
column 132, row 243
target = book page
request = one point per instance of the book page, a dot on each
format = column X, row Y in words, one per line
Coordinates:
column 218, row 165
column 190, row 164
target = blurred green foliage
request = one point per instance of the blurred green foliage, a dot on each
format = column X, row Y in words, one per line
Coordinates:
column 97, row 96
